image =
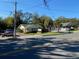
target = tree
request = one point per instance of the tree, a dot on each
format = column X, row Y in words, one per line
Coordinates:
column 35, row 19
column 23, row 18
column 58, row 22
column 19, row 16
column 74, row 22
column 9, row 21
column 2, row 25
column 45, row 3
column 45, row 21
column 27, row 17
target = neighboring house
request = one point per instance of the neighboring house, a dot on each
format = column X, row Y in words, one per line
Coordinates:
column 66, row 26
column 30, row 27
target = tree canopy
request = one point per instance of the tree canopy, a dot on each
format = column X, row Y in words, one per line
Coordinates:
column 45, row 21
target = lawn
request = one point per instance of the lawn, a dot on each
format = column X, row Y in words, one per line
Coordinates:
column 51, row 33
column 44, row 34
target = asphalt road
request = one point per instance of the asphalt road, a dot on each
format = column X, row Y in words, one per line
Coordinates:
column 64, row 46
column 71, row 36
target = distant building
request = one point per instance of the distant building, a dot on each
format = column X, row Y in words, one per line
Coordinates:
column 30, row 27
column 66, row 26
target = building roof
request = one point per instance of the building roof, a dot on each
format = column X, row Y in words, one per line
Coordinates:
column 66, row 24
column 31, row 26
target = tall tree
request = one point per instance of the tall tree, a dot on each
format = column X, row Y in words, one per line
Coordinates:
column 23, row 18
column 9, row 21
column 58, row 22
column 19, row 16
column 27, row 17
column 45, row 21
column 35, row 19
column 2, row 25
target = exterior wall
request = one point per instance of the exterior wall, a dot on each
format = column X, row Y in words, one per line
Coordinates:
column 27, row 28
column 31, row 30
column 64, row 29
column 22, row 28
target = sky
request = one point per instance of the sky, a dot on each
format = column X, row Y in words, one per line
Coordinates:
column 56, row 8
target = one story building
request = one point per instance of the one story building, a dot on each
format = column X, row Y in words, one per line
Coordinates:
column 66, row 26
column 30, row 28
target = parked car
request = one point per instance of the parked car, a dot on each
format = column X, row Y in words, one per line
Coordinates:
column 8, row 32
column 1, row 32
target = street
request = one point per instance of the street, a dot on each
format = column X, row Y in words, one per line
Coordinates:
column 41, row 47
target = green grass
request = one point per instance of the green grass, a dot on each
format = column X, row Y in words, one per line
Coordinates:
column 51, row 33
column 44, row 34
column 30, row 33
column 75, row 30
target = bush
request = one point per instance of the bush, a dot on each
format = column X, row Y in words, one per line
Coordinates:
column 18, row 30
column 45, row 30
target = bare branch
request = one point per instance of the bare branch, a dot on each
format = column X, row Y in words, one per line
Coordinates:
column 45, row 3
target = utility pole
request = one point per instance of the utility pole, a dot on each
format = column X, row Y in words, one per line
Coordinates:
column 15, row 11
